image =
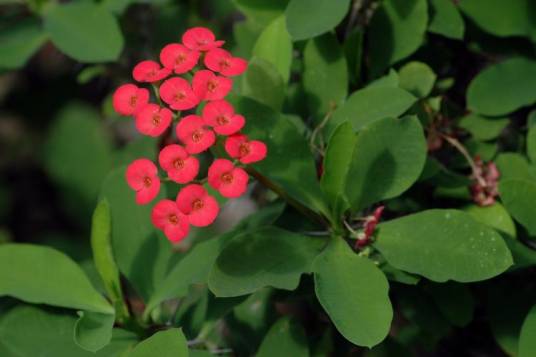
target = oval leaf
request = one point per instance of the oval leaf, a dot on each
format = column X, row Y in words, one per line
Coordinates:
column 310, row 18
column 518, row 196
column 443, row 245
column 168, row 343
column 285, row 338
column 446, row 19
column 527, row 342
column 354, row 293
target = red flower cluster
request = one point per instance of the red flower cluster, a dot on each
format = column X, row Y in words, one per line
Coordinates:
column 195, row 133
column 364, row 238
column 484, row 189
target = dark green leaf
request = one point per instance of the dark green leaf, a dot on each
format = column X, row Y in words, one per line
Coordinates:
column 531, row 144
column 482, row 128
column 527, row 342
column 455, row 302
column 443, row 245
column 19, row 42
column 518, row 196
column 168, row 343
column 285, row 338
column 263, row 82
column 516, row 79
column 262, row 12
column 93, row 330
column 354, row 293
column 267, row 257
column 72, row 27
column 446, row 19
column 417, row 78
column 310, row 18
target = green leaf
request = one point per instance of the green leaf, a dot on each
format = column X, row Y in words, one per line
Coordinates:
column 289, row 163
column 527, row 342
column 72, row 28
column 52, row 334
column 482, row 128
column 515, row 78
column 93, row 330
column 19, row 42
column 141, row 252
column 417, row 78
column 455, row 302
column 500, row 20
column 324, row 62
column 513, row 165
column 446, row 19
column 285, row 338
column 101, row 235
column 262, row 12
column 264, row 83
column 494, row 216
column 168, row 343
column 275, row 46
column 354, row 293
column 518, row 196
column 337, row 163
column 267, row 257
column 531, row 144
column 388, row 158
column 397, row 29
column 391, row 79
column 80, row 165
column 370, row 104
column 443, row 244
column 310, row 18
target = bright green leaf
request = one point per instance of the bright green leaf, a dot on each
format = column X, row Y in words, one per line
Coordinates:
column 354, row 293
column 310, row 18
column 518, row 196
column 494, row 216
column 513, row 165
column 325, row 75
column 262, row 12
column 417, row 78
column 285, row 338
column 73, row 29
column 93, row 330
column 397, row 29
column 482, row 128
column 446, row 19
column 267, row 257
column 168, row 343
column 263, row 82
column 275, row 46
column 443, row 244
column 19, row 42
column 514, row 77
column 388, row 158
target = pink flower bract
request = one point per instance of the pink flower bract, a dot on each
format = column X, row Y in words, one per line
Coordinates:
column 167, row 217
column 201, row 39
column 239, row 147
column 149, row 71
column 178, row 94
column 208, row 86
column 230, row 181
column 193, row 133
column 153, row 120
column 178, row 58
column 128, row 99
column 219, row 60
column 179, row 165
column 220, row 115
column 142, row 177
column 200, row 208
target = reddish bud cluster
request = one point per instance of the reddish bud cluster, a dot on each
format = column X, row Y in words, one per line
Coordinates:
column 484, row 189
column 195, row 133
column 369, row 226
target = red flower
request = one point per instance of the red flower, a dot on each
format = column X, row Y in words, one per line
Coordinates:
column 178, row 94
column 201, row 39
column 200, row 208
column 209, row 86
column 180, row 167
column 149, row 71
column 220, row 115
column 222, row 61
column 230, row 181
column 192, row 132
column 178, row 58
column 142, row 177
column 167, row 217
column 238, row 146
column 153, row 120
column 128, row 99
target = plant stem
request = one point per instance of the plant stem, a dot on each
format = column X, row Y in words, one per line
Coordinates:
column 458, row 146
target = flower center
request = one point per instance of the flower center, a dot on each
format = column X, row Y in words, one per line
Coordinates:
column 197, row 204
column 173, row 219
column 197, row 135
column 133, row 100
column 156, row 119
column 147, row 181
column 224, row 63
column 227, row 177
column 179, row 96
column 212, row 85
column 180, row 58
column 244, row 149
column 222, row 120
column 178, row 163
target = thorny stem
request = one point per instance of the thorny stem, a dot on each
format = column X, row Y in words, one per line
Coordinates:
column 458, row 146
column 356, row 6
column 318, row 128
column 156, row 94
